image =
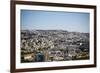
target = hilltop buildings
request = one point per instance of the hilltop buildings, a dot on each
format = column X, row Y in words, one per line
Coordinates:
column 53, row 45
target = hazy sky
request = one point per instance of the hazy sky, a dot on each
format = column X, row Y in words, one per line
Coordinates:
column 52, row 20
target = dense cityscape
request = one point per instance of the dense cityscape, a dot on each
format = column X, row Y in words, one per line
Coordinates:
column 53, row 45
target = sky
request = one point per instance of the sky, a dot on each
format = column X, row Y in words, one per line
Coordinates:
column 55, row 20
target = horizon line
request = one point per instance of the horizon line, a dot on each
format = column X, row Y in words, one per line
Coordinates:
column 54, row 29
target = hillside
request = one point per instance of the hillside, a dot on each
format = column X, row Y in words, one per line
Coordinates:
column 54, row 45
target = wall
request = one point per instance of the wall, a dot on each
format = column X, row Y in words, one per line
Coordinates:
column 5, row 37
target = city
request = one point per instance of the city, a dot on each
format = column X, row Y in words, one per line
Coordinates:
column 53, row 45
